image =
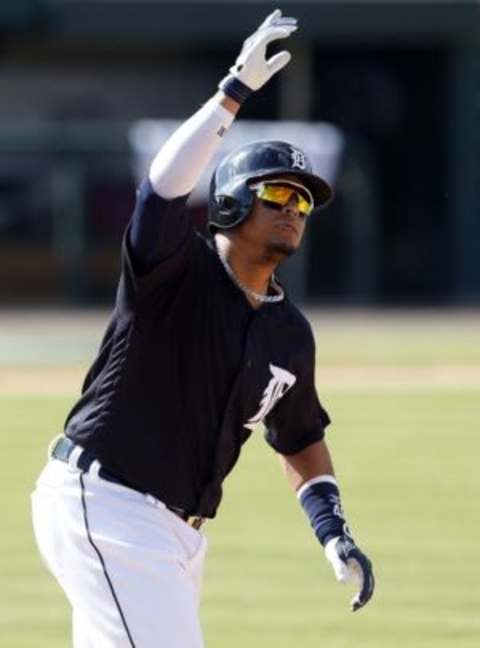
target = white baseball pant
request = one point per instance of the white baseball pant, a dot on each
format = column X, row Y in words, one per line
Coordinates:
column 130, row 568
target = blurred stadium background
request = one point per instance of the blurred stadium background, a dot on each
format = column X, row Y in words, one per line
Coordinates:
column 390, row 276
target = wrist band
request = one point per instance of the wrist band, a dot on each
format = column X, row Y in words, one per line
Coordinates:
column 320, row 499
column 235, row 89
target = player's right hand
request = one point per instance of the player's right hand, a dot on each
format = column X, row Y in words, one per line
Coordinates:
column 351, row 564
column 252, row 67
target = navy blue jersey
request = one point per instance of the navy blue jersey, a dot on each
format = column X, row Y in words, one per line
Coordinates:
column 188, row 367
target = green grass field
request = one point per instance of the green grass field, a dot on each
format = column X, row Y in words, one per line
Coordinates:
column 406, row 445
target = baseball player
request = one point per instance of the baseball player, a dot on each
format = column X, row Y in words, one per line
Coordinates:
column 202, row 345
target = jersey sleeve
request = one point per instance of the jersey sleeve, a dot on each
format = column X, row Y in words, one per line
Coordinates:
column 156, row 249
column 157, row 230
column 298, row 419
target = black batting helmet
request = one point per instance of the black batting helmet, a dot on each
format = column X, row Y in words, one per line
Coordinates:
column 231, row 199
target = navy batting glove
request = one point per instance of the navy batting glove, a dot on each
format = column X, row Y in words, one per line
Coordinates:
column 350, row 564
column 320, row 499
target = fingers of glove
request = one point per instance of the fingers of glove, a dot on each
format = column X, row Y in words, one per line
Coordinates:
column 273, row 34
column 282, row 22
column 271, row 19
column 260, row 39
column 362, row 567
column 358, row 601
column 276, row 19
column 277, row 62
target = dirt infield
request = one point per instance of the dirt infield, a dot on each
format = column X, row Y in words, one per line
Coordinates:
column 66, row 381
column 48, row 381
column 377, row 378
column 46, row 352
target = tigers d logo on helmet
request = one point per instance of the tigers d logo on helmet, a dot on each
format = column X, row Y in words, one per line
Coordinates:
column 298, row 159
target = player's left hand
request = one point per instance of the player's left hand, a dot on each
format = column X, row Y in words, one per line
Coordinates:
column 351, row 565
column 252, row 67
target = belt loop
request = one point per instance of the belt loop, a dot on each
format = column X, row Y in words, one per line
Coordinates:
column 94, row 469
column 154, row 501
column 74, row 457
column 52, row 444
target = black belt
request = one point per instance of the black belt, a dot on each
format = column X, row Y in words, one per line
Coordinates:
column 62, row 450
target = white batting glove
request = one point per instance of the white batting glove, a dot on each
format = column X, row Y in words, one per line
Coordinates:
column 252, row 69
column 351, row 565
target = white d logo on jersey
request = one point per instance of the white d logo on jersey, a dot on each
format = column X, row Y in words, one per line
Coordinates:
column 280, row 382
column 298, row 159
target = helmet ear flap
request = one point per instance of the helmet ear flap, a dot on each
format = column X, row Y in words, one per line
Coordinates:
column 226, row 205
column 227, row 211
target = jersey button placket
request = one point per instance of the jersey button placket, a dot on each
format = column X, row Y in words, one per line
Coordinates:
column 248, row 349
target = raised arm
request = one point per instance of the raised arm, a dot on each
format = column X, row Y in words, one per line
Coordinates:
column 181, row 161
column 179, row 164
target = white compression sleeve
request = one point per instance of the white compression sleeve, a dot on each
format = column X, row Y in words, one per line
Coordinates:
column 180, row 162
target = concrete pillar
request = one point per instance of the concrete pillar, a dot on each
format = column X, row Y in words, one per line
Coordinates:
column 295, row 103
column 463, row 194
column 69, row 224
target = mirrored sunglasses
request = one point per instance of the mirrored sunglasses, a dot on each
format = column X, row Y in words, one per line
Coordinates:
column 279, row 192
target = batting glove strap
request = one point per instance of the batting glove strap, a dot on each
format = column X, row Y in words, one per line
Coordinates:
column 351, row 565
column 235, row 89
column 320, row 500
